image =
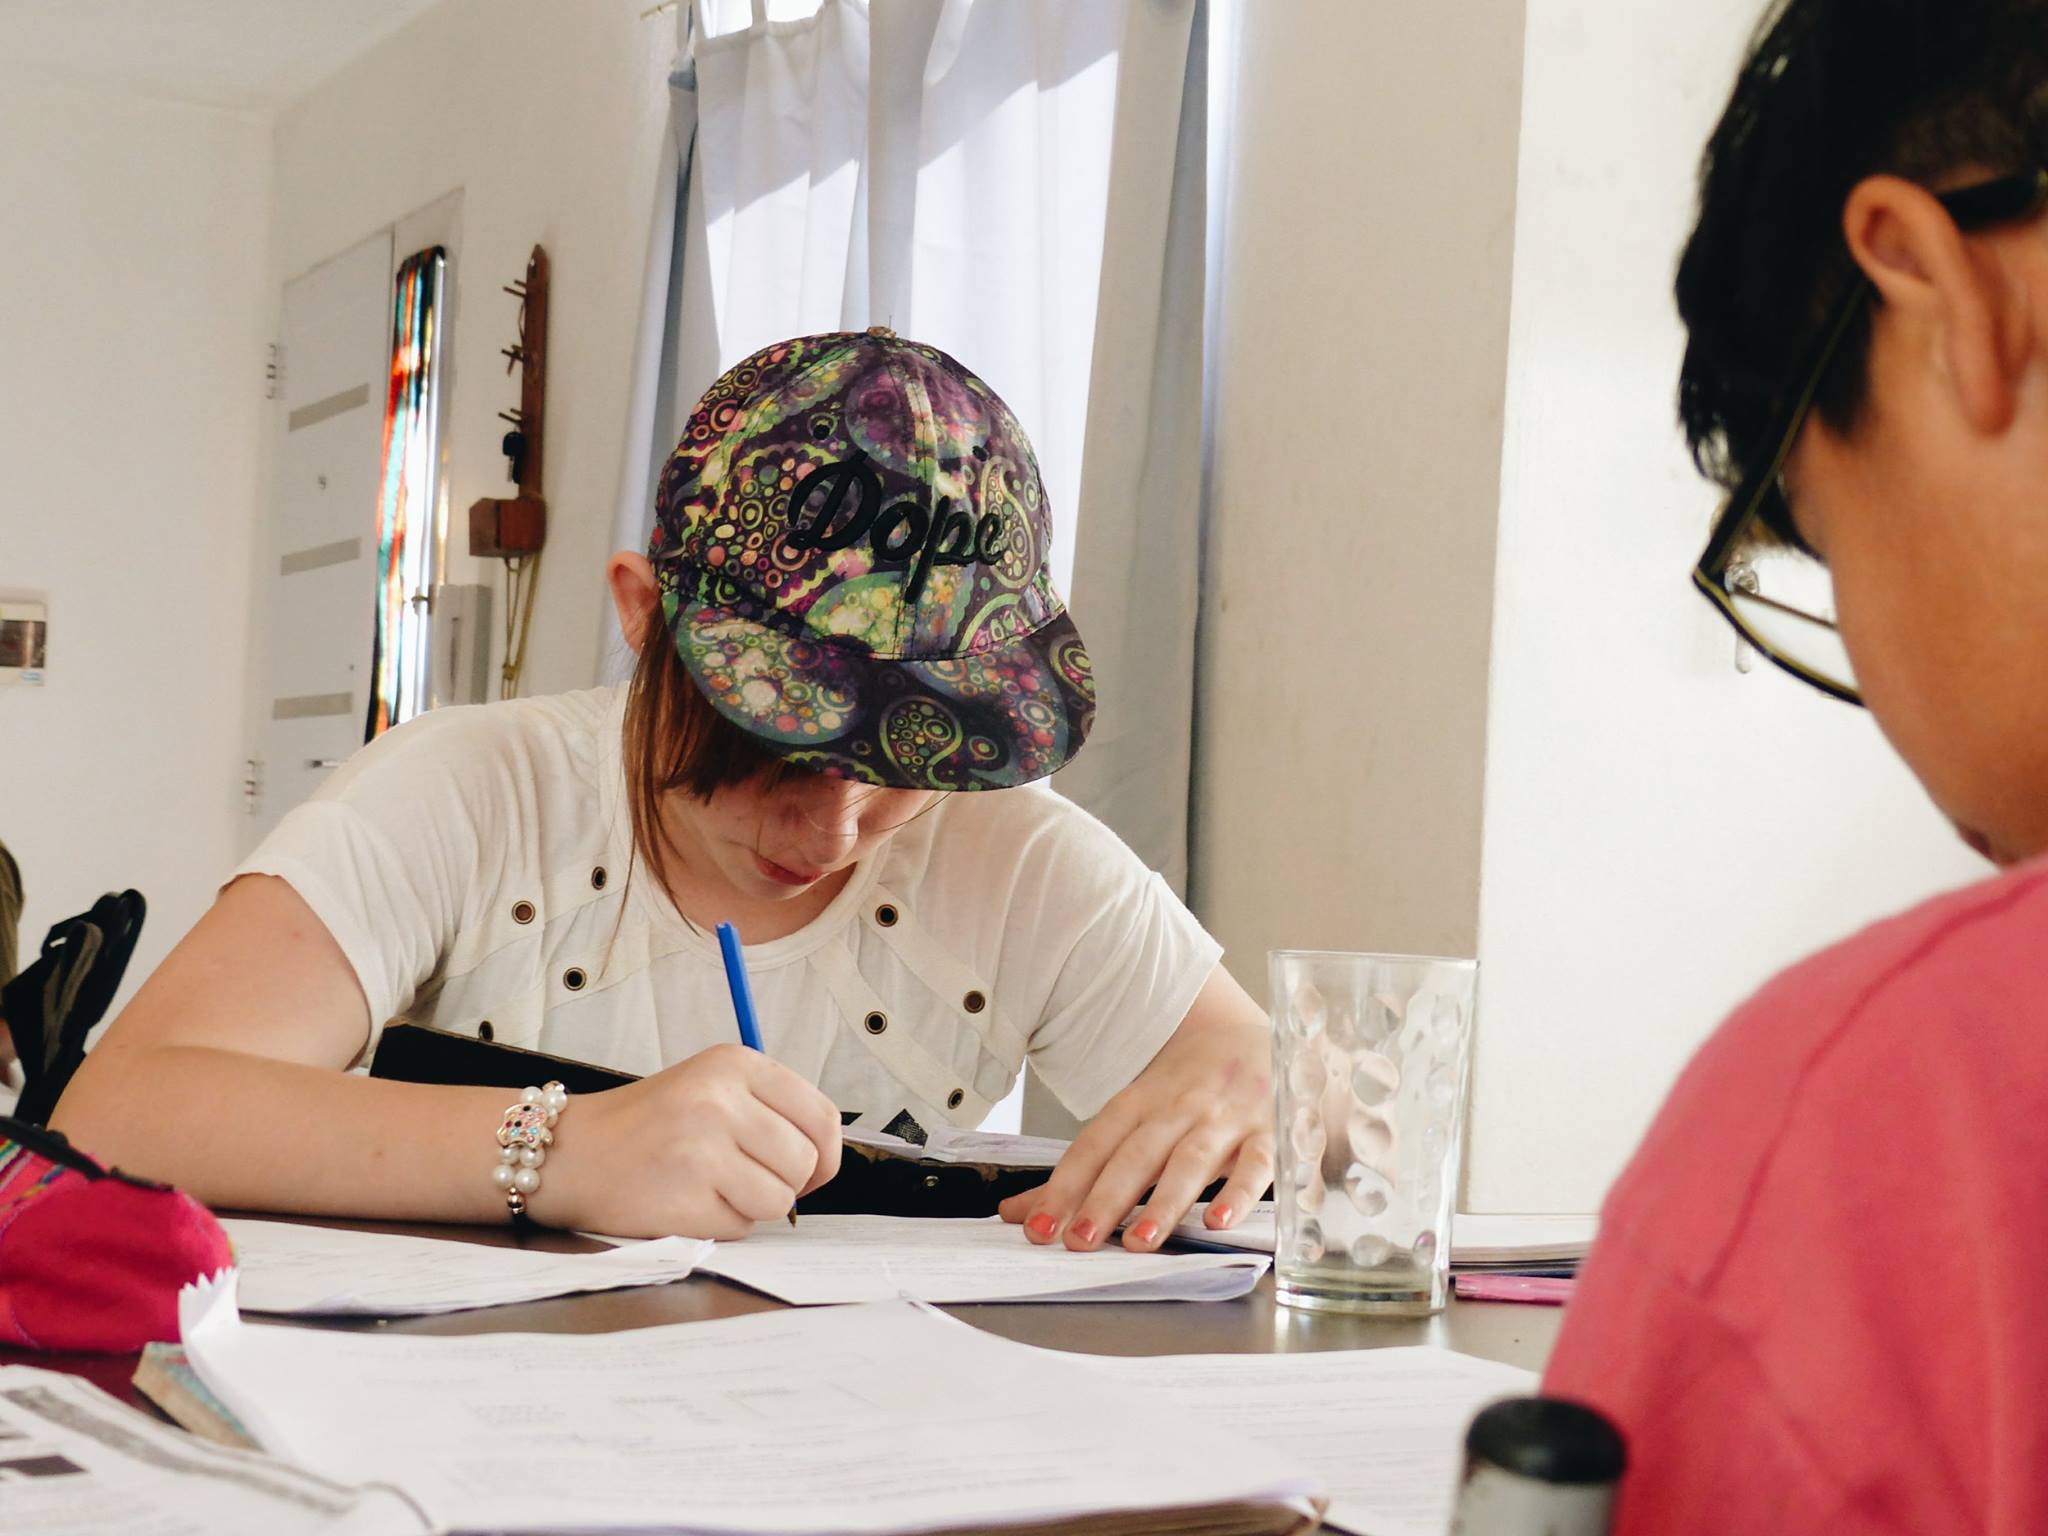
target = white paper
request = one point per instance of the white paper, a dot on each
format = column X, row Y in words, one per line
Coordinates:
column 290, row 1268
column 1383, row 1429
column 881, row 1141
column 828, row 1259
column 1476, row 1238
column 73, row 1460
column 948, row 1144
column 881, row 1418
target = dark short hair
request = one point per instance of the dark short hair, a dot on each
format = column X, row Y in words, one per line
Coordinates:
column 1830, row 93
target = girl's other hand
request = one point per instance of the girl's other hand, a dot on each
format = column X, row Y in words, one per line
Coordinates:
column 705, row 1148
column 1203, row 1109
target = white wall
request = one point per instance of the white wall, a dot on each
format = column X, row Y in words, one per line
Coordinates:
column 131, row 352
column 1363, row 348
column 547, row 119
column 1661, row 833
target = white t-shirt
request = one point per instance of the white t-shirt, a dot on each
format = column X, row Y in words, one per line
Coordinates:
column 473, row 865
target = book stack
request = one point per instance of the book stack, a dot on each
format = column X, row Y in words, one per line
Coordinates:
column 1548, row 1246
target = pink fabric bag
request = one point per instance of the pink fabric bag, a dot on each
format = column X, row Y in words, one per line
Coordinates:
column 91, row 1259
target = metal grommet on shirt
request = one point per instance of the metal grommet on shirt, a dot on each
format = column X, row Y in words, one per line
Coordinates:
column 886, row 915
column 931, row 1181
column 485, row 1032
column 522, row 911
column 956, row 1098
column 597, row 878
column 574, row 978
column 875, row 1023
column 974, row 1002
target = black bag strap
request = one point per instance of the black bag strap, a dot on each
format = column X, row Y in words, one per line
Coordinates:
column 53, row 1005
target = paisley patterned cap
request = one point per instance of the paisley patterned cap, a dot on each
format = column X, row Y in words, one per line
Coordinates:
column 850, row 542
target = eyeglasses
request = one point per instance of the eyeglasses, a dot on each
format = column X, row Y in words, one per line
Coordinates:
column 1756, row 570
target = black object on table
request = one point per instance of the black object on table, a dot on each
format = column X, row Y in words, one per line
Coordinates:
column 871, row 1182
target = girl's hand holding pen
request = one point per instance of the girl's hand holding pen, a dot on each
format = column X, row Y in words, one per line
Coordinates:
column 705, row 1148
column 742, row 997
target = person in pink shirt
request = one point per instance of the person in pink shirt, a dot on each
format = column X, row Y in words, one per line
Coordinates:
column 1819, row 1301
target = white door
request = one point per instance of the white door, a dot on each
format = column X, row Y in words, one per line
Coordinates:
column 320, row 571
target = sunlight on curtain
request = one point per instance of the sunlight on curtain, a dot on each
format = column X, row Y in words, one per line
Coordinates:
column 408, row 495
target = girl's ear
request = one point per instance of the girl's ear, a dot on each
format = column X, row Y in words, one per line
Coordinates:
column 634, row 594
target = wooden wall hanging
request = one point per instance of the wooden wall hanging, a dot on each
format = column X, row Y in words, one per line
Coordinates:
column 513, row 528
column 506, row 528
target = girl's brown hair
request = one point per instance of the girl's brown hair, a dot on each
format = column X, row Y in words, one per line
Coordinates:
column 675, row 739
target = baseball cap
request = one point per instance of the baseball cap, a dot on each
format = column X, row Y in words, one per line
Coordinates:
column 851, row 543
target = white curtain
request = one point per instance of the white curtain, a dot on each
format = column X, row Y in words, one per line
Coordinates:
column 1023, row 184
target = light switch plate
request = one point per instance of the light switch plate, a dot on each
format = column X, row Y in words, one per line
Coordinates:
column 24, row 640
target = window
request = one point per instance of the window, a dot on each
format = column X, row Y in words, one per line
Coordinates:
column 408, row 496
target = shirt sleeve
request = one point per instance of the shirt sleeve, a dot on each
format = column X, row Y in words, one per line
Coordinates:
column 385, row 856
column 1109, row 959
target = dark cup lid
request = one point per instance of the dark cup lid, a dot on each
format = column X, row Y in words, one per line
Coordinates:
column 1549, row 1440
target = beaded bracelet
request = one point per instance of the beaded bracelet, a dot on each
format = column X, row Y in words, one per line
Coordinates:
column 523, row 1141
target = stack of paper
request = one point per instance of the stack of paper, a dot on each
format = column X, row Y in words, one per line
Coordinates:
column 291, row 1268
column 852, row 1420
column 827, row 1259
column 1509, row 1242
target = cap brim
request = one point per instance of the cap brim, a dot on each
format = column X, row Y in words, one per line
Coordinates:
column 1004, row 717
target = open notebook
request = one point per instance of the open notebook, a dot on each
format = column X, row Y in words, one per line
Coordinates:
column 872, row 1419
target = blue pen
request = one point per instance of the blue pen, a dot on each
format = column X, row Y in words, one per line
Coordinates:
column 736, row 979
column 742, row 997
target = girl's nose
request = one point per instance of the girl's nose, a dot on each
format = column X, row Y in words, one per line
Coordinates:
column 832, row 807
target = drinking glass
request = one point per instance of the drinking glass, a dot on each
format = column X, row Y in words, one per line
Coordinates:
column 1371, row 1058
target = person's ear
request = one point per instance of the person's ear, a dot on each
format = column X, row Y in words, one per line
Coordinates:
column 1958, row 300
column 634, row 594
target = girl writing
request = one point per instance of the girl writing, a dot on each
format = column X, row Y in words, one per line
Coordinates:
column 852, row 665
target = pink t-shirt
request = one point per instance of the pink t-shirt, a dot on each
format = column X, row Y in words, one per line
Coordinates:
column 1819, row 1300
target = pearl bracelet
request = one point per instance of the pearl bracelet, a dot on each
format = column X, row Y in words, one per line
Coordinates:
column 523, row 1139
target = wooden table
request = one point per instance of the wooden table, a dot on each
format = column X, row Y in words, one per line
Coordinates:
column 1519, row 1335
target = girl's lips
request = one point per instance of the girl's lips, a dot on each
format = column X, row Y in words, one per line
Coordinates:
column 783, row 876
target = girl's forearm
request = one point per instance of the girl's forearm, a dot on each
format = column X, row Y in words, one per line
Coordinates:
column 244, row 1132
